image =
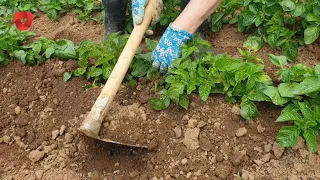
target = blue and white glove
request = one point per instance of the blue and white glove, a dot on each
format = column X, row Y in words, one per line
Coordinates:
column 138, row 7
column 169, row 48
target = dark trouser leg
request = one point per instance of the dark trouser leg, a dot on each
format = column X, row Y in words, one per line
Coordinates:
column 115, row 16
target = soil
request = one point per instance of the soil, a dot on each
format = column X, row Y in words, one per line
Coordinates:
column 40, row 115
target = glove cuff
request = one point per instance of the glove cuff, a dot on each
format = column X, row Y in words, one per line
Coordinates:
column 178, row 36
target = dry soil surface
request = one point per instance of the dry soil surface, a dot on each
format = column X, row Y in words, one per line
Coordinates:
column 40, row 115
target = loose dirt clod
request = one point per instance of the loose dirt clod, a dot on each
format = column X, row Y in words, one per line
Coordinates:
column 55, row 134
column 241, row 132
column 62, row 130
column 17, row 110
column 260, row 129
column 6, row 139
column 264, row 159
column 68, row 138
column 223, row 171
column 237, row 157
column 39, row 174
column 178, row 131
column 191, row 138
column 36, row 155
column 236, row 110
column 277, row 150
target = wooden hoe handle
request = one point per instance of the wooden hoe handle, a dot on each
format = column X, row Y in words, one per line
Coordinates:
column 92, row 124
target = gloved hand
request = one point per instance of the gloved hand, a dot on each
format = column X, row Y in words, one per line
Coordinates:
column 138, row 7
column 169, row 48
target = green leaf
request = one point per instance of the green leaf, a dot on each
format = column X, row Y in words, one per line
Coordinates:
column 274, row 95
column 21, row 55
column 313, row 18
column 279, row 61
column 248, row 18
column 290, row 49
column 249, row 110
column 317, row 111
column 37, row 48
column 247, row 69
column 140, row 68
column 49, row 52
column 308, row 114
column 66, row 76
column 227, row 63
column 309, row 85
column 289, row 115
column 159, row 104
column 184, row 101
column 311, row 34
column 288, row 136
column 151, row 44
column 310, row 136
column 288, row 5
column 65, row 50
column 94, row 72
column 317, row 70
column 299, row 10
column 258, row 96
column 203, row 72
column 253, row 43
column 216, row 17
column 287, row 89
column 204, row 91
column 175, row 90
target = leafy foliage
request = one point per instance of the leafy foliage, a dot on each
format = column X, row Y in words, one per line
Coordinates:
column 13, row 45
column 282, row 24
column 83, row 8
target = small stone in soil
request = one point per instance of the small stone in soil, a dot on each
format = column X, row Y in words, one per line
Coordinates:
column 236, row 110
column 21, row 132
column 17, row 110
column 43, row 98
column 68, row 137
column 191, row 123
column 237, row 157
column 62, row 130
column 241, row 132
column 260, row 129
column 223, row 171
column 201, row 124
column 6, row 139
column 153, row 144
column 265, row 158
column 267, row 148
column 191, row 138
column 39, row 174
column 185, row 118
column 178, row 131
column 95, row 175
column 55, row 134
column 277, row 150
column 55, row 101
column 36, row 155
column 219, row 157
column 184, row 161
column 81, row 147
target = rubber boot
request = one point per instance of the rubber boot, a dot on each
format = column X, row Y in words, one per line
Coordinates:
column 200, row 30
column 115, row 16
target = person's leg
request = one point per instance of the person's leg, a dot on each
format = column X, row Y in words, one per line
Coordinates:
column 115, row 16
